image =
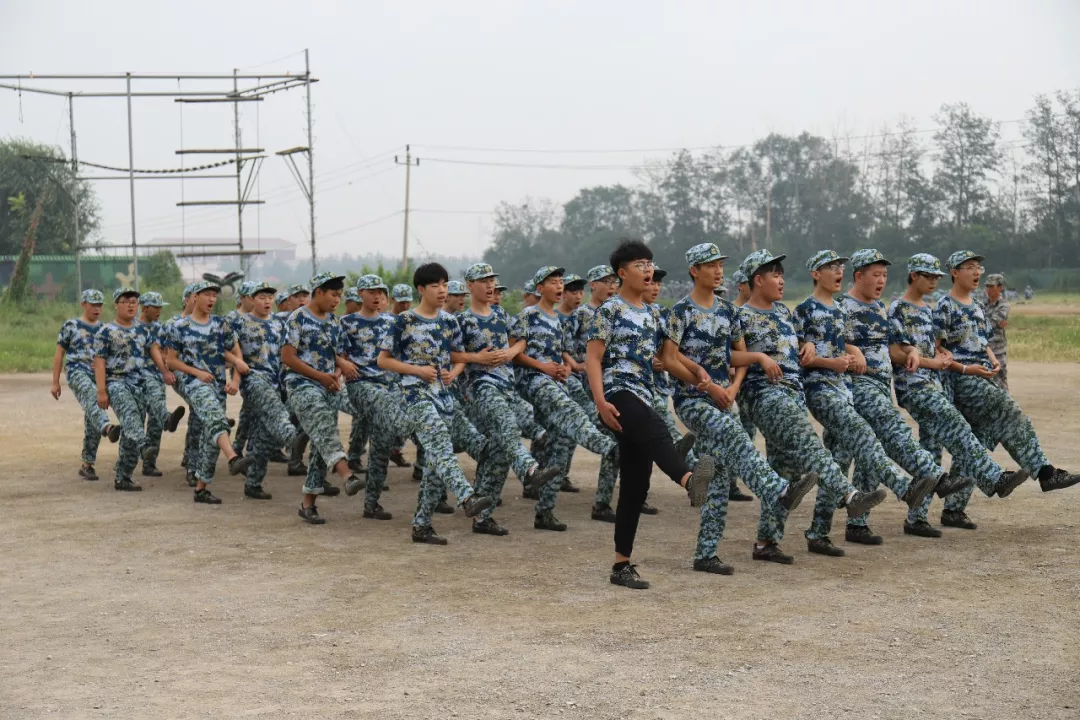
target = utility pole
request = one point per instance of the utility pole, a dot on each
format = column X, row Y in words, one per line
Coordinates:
column 311, row 162
column 408, row 163
column 75, row 200
column 131, row 182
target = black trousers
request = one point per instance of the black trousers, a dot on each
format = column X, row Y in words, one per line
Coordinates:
column 643, row 440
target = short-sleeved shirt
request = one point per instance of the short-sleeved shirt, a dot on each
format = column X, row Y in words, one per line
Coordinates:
column 579, row 340
column 317, row 343
column 362, row 337
column 77, row 339
column 705, row 335
column 868, row 329
column 824, row 326
column 479, row 332
column 631, row 336
column 124, row 350
column 545, row 340
column 260, row 344
column 418, row 340
column 911, row 324
column 570, row 331
column 997, row 313
column 662, row 381
column 771, row 332
column 152, row 335
column 963, row 330
column 202, row 346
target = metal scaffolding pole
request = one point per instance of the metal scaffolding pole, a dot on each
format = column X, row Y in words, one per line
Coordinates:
column 75, row 198
column 244, row 263
column 311, row 164
column 131, row 182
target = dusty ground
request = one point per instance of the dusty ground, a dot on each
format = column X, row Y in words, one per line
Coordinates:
column 148, row 606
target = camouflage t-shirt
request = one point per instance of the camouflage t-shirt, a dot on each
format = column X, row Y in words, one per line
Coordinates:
column 260, row 344
column 479, row 332
column 911, row 324
column 77, row 339
column 868, row 329
column 545, row 341
column 317, row 342
column 579, row 340
column 662, row 381
column 963, row 330
column 824, row 326
column 362, row 338
column 996, row 314
column 705, row 335
column 124, row 350
column 418, row 340
column 631, row 336
column 771, row 332
column 152, row 335
column 202, row 346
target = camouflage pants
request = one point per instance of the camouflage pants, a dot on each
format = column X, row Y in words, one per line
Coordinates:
column 380, row 414
column 244, row 426
column 493, row 408
column 1002, row 378
column 849, row 436
column 720, row 435
column 128, row 404
column 95, row 419
column 317, row 410
column 526, row 419
column 358, row 439
column 747, row 422
column 193, row 432
column 269, row 424
column 208, row 405
column 157, row 414
column 609, row 464
column 441, row 469
column 793, row 448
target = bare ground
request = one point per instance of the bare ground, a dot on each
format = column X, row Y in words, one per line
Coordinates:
column 145, row 605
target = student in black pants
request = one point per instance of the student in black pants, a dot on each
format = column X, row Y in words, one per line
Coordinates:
column 622, row 343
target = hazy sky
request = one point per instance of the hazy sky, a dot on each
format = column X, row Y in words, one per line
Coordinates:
column 593, row 76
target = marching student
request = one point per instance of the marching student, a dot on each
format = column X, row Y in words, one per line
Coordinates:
column 155, row 376
column 190, row 460
column 358, row 435
column 742, row 286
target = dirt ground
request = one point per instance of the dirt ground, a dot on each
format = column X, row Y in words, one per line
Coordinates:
column 120, row 605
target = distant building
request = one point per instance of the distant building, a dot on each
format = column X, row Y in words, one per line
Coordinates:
column 276, row 249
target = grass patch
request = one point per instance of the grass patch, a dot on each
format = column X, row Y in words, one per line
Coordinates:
column 1044, row 338
column 29, row 336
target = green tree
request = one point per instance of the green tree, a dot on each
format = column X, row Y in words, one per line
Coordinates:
column 163, row 271
column 967, row 153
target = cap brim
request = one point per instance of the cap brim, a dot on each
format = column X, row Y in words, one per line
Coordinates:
column 215, row 288
column 483, row 277
column 126, row 294
column 260, row 291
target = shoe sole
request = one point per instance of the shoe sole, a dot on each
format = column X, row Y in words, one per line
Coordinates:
column 867, row 503
column 1073, row 480
column 722, row 569
column 700, row 478
column 797, row 491
column 135, row 488
column 429, row 541
column 114, row 433
column 964, row 484
column 600, row 518
column 970, row 526
column 215, row 501
column 1018, row 478
column 685, row 444
column 493, row 534
column 919, row 533
column 639, row 585
column 920, row 490
column 650, row 511
column 834, row 552
column 785, row 560
column 476, row 505
column 317, row 520
column 373, row 516
column 353, row 488
column 861, row 540
column 540, row 478
column 240, row 467
column 174, row 418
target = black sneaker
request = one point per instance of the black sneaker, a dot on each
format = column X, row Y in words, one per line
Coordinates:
column 417, row 474
column 376, row 512
column 735, row 494
column 444, row 508
column 1058, row 479
column 489, row 527
column 87, row 472
column 603, row 513
column 278, row 457
column 1009, row 481
column 204, row 496
column 398, row 458
column 921, row 528
column 547, row 521
column 919, row 490
column 192, row 481
column 771, row 553
column 713, row 565
column 311, row 515
column 824, row 546
column 797, row 490
column 151, row 471
column 957, row 519
column 697, row 487
column 950, row 484
column 528, row 494
column 329, row 490
column 239, row 465
column 112, row 432
column 862, row 502
column 238, row 448
column 174, row 418
column 628, row 577
column 568, row 486
column 475, row 504
column 861, row 534
column 256, row 493
column 354, row 485
column 296, row 469
column 427, row 535
column 647, row 509
column 126, row 486
column 539, row 478
column 147, row 455
column 230, row 422
column 685, row 444
column 357, row 466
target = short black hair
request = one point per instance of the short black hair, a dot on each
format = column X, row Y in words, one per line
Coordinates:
column 266, row 291
column 575, row 286
column 628, row 251
column 429, row 274
column 776, row 265
column 329, row 285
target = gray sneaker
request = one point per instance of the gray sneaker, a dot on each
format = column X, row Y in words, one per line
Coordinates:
column 863, row 502
column 697, row 487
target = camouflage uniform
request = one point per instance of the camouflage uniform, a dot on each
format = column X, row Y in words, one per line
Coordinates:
column 153, row 385
column 997, row 314
column 124, row 353
column 77, row 340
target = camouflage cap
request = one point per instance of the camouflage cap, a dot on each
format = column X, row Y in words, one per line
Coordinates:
column 500, row 287
column 658, row 275
column 573, row 278
column 202, row 285
column 456, row 287
column 152, row 299
column 324, row 277
column 824, row 257
column 297, row 289
column 600, row 272
column 352, row 295
column 261, row 287
column 124, row 291
column 188, row 289
column 479, row 271
column 756, row 260
column 547, row 271
column 867, row 256
column 704, row 253
column 959, row 257
column 994, row 279
column 924, row 263
column 530, row 288
column 739, row 277
column 373, row 282
column 401, row 293
column 94, row 297
column 281, row 297
column 244, row 288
